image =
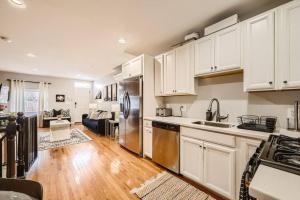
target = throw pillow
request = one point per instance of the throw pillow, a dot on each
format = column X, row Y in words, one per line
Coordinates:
column 94, row 115
column 65, row 113
column 47, row 114
column 56, row 112
column 105, row 115
column 51, row 113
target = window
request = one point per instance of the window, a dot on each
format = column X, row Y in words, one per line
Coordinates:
column 31, row 100
column 3, row 93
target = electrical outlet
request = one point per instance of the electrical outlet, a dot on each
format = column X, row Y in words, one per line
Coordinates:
column 183, row 108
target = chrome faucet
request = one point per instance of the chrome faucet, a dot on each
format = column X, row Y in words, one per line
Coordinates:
column 210, row 115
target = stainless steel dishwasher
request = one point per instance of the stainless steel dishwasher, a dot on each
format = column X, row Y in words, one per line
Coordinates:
column 165, row 146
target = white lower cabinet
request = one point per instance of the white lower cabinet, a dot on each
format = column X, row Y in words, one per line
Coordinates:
column 191, row 158
column 147, row 142
column 246, row 148
column 219, row 169
column 209, row 164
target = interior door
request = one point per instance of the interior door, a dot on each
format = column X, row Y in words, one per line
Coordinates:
column 134, row 115
column 228, row 48
column 289, row 46
column 169, row 72
column 219, row 169
column 259, row 52
column 81, row 104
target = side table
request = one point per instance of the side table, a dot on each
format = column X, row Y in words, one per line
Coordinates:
column 112, row 128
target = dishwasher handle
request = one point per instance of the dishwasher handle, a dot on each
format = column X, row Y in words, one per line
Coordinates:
column 166, row 126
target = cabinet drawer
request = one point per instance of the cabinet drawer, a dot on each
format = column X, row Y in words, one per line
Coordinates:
column 217, row 138
column 147, row 123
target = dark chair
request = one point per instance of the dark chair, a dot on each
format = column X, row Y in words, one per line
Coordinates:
column 97, row 126
column 31, row 188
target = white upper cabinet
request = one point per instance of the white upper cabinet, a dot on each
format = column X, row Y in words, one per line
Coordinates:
column 169, row 72
column 219, row 169
column 179, row 71
column 259, row 52
column 204, row 55
column 191, row 158
column 159, row 75
column 184, row 83
column 228, row 48
column 289, row 46
column 219, row 52
column 133, row 68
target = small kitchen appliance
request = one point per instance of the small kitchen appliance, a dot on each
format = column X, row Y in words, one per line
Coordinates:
column 163, row 112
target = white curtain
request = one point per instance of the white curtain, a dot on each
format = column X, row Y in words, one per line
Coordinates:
column 44, row 101
column 16, row 98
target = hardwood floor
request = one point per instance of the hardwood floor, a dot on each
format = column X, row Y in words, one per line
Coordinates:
column 99, row 169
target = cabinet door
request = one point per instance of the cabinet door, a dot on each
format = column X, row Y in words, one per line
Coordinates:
column 204, row 55
column 191, row 158
column 136, row 67
column 184, row 83
column 228, row 49
column 169, row 72
column 125, row 70
column 246, row 148
column 259, row 64
column 219, row 169
column 147, row 142
column 289, row 46
column 159, row 75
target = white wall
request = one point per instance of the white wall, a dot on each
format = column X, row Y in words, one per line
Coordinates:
column 233, row 101
column 98, row 85
column 58, row 86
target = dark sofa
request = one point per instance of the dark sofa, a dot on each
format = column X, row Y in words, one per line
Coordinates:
column 97, row 126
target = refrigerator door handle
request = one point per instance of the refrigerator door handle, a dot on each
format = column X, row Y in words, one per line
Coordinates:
column 129, row 104
column 126, row 112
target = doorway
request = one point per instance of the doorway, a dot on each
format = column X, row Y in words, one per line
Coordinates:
column 81, row 102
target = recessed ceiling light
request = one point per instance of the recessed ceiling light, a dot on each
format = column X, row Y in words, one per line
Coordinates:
column 5, row 39
column 31, row 55
column 19, row 3
column 35, row 69
column 122, row 41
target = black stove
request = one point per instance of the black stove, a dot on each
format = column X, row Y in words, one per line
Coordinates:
column 282, row 152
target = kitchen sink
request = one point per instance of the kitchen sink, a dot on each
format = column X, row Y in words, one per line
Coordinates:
column 215, row 124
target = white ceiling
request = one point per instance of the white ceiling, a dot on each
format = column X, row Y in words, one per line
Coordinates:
column 71, row 37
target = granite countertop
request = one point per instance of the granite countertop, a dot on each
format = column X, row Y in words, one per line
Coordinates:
column 187, row 122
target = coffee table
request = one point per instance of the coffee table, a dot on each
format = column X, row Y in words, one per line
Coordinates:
column 60, row 130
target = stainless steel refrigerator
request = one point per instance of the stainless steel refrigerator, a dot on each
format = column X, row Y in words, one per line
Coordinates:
column 131, row 115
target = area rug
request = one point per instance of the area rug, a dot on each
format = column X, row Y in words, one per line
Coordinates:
column 165, row 186
column 77, row 136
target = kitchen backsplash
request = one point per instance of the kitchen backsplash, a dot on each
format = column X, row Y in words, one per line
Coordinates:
column 233, row 100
